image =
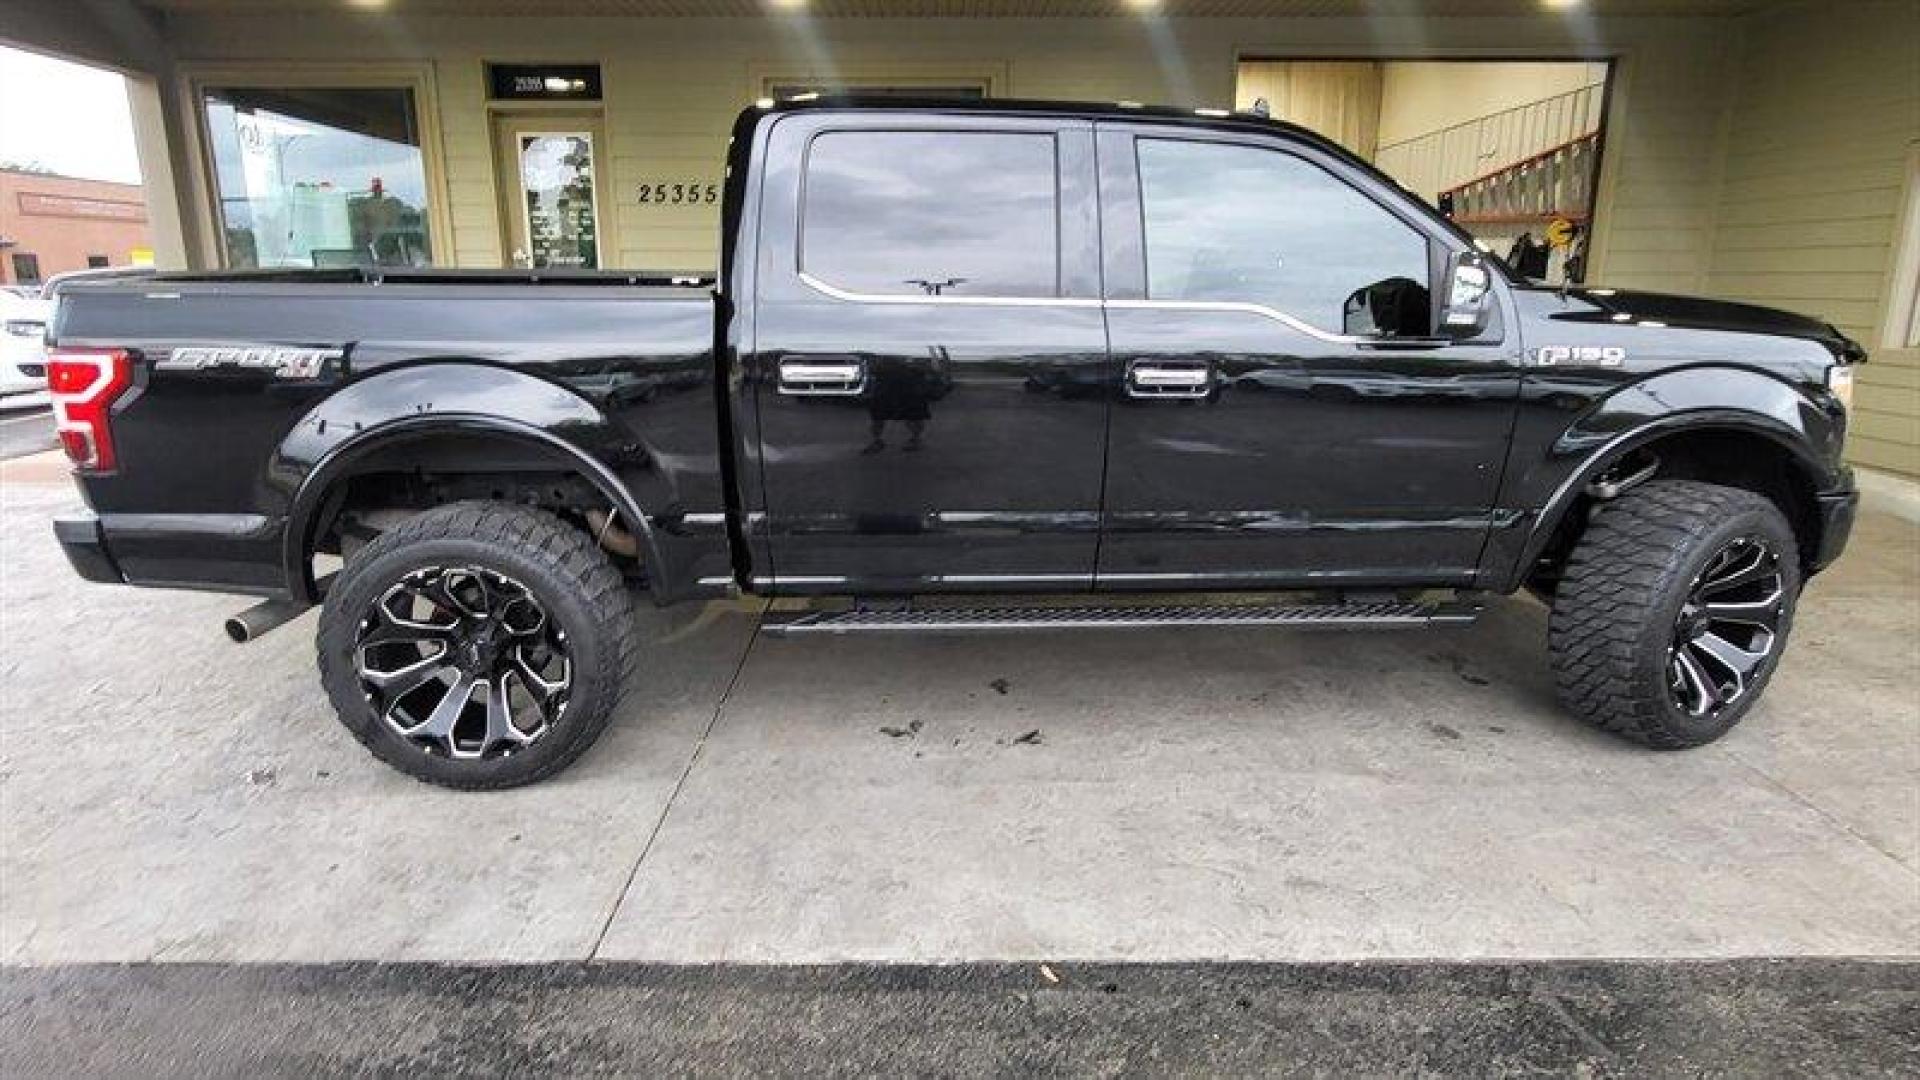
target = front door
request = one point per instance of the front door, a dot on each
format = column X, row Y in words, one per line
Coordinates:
column 929, row 354
column 1285, row 415
column 548, row 166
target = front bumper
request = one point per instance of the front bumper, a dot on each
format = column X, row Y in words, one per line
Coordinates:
column 86, row 548
column 1837, row 510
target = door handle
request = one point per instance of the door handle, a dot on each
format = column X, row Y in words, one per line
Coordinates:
column 1146, row 380
column 822, row 376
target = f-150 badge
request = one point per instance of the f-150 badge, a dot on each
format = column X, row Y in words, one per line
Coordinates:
column 1579, row 356
column 284, row 362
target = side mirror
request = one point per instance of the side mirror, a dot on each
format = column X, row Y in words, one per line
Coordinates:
column 1469, row 297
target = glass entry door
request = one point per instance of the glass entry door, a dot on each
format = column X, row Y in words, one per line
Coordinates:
column 548, row 167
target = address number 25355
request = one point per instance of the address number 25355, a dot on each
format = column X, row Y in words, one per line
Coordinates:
column 680, row 194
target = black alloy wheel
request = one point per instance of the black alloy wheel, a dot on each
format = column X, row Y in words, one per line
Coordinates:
column 1728, row 627
column 463, row 662
column 1672, row 612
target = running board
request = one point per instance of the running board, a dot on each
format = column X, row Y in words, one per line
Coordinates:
column 1358, row 616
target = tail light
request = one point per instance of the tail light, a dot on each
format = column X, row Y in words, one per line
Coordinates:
column 84, row 384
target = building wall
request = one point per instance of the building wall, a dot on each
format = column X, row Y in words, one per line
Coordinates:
column 1824, row 118
column 673, row 86
column 1337, row 98
column 63, row 220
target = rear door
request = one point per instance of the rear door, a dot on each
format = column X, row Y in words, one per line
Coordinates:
column 929, row 353
column 1285, row 415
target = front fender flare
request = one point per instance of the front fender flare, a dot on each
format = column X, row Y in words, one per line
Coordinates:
column 1700, row 399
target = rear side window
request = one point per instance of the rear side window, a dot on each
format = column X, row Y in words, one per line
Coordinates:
column 932, row 213
column 1257, row 226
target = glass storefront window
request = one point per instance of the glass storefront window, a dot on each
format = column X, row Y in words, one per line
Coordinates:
column 319, row 177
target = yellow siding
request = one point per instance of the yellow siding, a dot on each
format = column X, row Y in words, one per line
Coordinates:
column 1655, row 220
column 1826, row 106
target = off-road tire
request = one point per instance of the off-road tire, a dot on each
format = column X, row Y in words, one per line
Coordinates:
column 1615, row 609
column 566, row 573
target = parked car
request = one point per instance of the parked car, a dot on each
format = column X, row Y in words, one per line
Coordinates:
column 468, row 442
column 23, row 355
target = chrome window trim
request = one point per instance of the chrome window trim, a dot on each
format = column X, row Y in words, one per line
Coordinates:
column 1243, row 308
column 838, row 293
column 1225, row 306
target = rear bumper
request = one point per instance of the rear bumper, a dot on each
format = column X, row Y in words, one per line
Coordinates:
column 1837, row 510
column 229, row 553
column 86, row 548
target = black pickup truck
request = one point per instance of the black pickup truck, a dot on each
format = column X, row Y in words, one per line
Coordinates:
column 1094, row 367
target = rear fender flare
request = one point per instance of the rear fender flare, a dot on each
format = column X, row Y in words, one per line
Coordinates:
column 391, row 408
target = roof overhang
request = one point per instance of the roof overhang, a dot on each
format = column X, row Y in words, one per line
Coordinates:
column 968, row 8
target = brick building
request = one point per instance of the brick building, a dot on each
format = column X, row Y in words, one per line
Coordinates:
column 51, row 224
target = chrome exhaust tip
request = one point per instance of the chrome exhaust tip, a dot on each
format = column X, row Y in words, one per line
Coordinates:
column 269, row 615
column 260, row 618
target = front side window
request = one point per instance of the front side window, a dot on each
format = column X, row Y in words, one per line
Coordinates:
column 1249, row 225
column 319, row 176
column 932, row 213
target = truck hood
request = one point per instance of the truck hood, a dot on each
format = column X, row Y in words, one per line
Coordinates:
column 1701, row 313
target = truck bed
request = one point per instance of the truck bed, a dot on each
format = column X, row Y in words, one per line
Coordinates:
column 216, row 446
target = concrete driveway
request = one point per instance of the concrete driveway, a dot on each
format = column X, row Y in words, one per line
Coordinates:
column 1122, row 797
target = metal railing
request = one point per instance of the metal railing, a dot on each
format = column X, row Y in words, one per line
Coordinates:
column 1455, row 156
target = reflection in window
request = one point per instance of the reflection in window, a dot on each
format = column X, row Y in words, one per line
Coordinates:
column 319, row 177
column 556, row 176
column 932, row 213
column 1245, row 224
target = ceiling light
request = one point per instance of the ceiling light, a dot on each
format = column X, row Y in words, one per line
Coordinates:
column 1560, row 5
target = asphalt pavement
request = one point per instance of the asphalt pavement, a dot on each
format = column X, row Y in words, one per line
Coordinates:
column 1738, row 1018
